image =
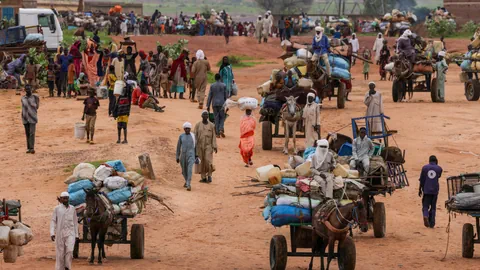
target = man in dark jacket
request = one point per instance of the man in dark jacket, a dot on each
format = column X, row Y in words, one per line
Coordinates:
column 429, row 187
column 216, row 98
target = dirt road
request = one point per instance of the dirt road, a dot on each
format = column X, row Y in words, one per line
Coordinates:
column 211, row 229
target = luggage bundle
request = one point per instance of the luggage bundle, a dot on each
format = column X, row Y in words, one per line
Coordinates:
column 13, row 236
column 120, row 186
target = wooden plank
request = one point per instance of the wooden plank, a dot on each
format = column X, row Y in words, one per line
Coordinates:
column 146, row 166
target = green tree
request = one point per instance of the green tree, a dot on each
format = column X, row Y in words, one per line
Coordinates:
column 378, row 7
column 285, row 6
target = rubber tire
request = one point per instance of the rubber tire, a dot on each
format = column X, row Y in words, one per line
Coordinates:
column 342, row 88
column 467, row 240
column 76, row 249
column 474, row 93
column 434, row 91
column 278, row 253
column 379, row 220
column 266, row 135
column 350, row 251
column 137, row 241
column 396, row 89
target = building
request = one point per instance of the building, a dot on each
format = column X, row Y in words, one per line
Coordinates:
column 463, row 10
column 9, row 8
column 59, row 5
column 106, row 6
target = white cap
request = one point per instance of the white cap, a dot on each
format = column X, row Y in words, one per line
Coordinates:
column 205, row 111
column 187, row 125
column 64, row 194
column 318, row 29
column 441, row 53
column 370, row 83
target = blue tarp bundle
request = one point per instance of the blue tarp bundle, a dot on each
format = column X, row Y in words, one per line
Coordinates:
column 289, row 181
column 117, row 165
column 79, row 185
column 120, row 195
column 286, row 214
column 340, row 73
column 78, row 197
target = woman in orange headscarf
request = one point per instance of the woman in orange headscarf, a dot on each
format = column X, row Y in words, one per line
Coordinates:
column 247, row 137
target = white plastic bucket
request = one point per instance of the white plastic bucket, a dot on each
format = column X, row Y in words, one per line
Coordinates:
column 476, row 188
column 262, row 172
column 79, row 130
column 118, row 89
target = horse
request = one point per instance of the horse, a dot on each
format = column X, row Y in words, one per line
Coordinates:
column 331, row 224
column 318, row 75
column 99, row 215
column 291, row 114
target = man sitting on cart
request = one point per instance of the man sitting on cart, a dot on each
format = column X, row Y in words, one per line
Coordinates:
column 404, row 45
column 321, row 47
column 271, row 100
column 323, row 164
column 362, row 151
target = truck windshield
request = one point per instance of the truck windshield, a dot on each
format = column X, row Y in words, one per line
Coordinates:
column 47, row 20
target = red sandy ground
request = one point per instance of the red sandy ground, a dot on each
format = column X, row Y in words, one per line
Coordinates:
column 211, row 229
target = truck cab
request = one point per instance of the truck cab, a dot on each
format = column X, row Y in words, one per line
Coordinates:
column 47, row 20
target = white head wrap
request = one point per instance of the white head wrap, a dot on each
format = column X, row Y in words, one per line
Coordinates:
column 441, row 53
column 370, row 83
column 200, row 55
column 406, row 34
column 204, row 111
column 64, row 194
column 318, row 37
column 311, row 95
column 318, row 28
column 320, row 153
column 187, row 125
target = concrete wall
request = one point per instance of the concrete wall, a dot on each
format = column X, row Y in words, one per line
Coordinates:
column 105, row 7
column 464, row 10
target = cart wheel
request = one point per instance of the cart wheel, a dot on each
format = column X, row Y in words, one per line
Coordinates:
column 472, row 90
column 278, row 252
column 434, row 90
column 266, row 135
column 137, row 245
column 467, row 240
column 397, row 89
column 342, row 88
column 348, row 256
column 379, row 220
column 76, row 249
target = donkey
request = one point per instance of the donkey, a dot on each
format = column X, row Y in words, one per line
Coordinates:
column 333, row 226
column 99, row 215
column 291, row 114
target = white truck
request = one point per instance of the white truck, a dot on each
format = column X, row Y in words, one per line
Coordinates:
column 47, row 20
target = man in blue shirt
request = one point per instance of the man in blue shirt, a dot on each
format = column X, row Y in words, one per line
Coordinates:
column 321, row 47
column 429, row 187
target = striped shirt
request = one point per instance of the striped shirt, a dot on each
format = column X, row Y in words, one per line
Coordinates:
column 30, row 106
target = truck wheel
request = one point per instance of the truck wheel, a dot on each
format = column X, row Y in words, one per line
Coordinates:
column 397, row 89
column 137, row 241
column 379, row 220
column 341, row 96
column 348, row 255
column 278, row 252
column 472, row 90
column 434, row 90
column 467, row 240
column 266, row 135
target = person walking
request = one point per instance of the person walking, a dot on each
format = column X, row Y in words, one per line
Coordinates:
column 216, row 98
column 90, row 114
column 226, row 74
column 429, row 188
column 374, row 102
column 200, row 69
column 266, row 24
column 178, row 74
column 30, row 105
column 64, row 232
column 65, row 61
column 206, row 145
column 121, row 114
column 111, row 79
column 70, row 79
column 311, row 116
column 377, row 47
column 281, row 28
column 227, row 32
column 355, row 47
column 247, row 137
column 186, row 154
column 441, row 67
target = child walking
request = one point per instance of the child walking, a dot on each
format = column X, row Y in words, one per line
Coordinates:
column 31, row 74
column 70, row 79
column 111, row 79
column 366, row 65
column 90, row 114
column 121, row 113
column 51, row 77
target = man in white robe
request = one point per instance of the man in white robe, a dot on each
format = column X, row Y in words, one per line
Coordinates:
column 311, row 120
column 374, row 102
column 377, row 47
column 64, row 231
column 323, row 164
column 266, row 27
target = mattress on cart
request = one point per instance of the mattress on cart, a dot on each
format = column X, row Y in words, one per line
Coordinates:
column 464, row 201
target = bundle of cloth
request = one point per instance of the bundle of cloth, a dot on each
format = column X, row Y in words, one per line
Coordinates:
column 120, row 188
column 308, row 182
column 464, row 201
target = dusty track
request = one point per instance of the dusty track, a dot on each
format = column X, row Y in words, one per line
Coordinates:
column 211, row 229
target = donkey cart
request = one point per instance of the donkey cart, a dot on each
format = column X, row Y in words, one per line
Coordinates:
column 301, row 238
column 472, row 85
column 464, row 184
column 117, row 234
